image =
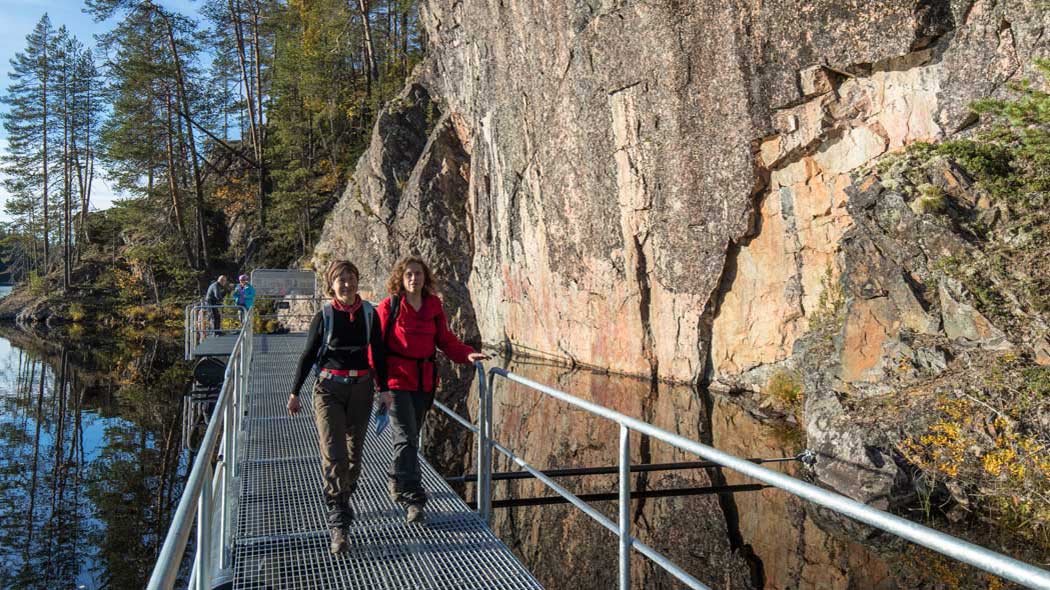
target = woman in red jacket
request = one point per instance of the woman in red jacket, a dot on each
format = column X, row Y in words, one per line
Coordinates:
column 419, row 328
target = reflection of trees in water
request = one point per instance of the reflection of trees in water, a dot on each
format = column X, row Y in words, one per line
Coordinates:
column 90, row 462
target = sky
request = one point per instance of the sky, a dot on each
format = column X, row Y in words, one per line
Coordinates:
column 18, row 19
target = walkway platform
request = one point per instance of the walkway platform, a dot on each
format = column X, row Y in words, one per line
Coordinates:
column 281, row 536
column 216, row 346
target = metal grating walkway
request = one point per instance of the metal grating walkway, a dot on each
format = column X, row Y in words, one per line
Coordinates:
column 216, row 345
column 281, row 537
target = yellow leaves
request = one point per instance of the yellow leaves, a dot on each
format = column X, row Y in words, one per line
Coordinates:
column 994, row 461
column 955, row 408
column 235, row 196
column 330, row 181
column 986, row 453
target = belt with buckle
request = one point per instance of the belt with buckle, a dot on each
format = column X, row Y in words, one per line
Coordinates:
column 350, row 376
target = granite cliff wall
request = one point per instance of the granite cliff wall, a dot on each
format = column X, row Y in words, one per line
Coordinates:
column 681, row 190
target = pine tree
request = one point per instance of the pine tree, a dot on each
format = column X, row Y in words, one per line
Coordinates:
column 88, row 108
column 149, row 138
column 28, row 124
column 67, row 50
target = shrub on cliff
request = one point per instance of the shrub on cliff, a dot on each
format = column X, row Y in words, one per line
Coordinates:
column 980, row 432
column 1008, row 161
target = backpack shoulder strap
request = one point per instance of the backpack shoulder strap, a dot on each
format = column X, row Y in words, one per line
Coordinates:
column 326, row 326
column 395, row 307
column 369, row 310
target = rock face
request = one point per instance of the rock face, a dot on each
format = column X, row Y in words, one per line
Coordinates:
column 660, row 188
column 681, row 190
column 621, row 149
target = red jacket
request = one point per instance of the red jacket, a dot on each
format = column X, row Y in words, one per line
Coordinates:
column 416, row 334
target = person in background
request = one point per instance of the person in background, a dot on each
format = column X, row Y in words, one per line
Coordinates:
column 244, row 293
column 414, row 327
column 213, row 297
column 337, row 346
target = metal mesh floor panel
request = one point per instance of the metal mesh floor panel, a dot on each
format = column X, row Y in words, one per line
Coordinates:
column 216, row 345
column 282, row 539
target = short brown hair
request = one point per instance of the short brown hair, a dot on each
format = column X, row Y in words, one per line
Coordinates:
column 395, row 283
column 334, row 271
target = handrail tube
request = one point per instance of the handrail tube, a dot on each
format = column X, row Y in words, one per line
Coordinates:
column 581, row 471
column 170, row 555
column 597, row 516
column 612, row 496
column 186, row 331
column 204, row 531
column 625, row 508
column 484, row 487
column 455, row 416
column 182, row 523
column 975, row 555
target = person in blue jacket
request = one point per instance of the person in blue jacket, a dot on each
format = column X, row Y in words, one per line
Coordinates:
column 244, row 293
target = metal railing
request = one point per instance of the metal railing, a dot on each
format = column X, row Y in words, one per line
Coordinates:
column 197, row 322
column 958, row 549
column 206, row 494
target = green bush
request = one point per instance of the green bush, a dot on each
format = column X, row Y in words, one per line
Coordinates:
column 931, row 199
column 76, row 312
column 37, row 283
column 786, row 387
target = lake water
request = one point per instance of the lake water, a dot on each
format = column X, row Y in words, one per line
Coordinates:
column 756, row 539
column 90, row 459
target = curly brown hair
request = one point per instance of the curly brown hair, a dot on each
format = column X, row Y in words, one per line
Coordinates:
column 334, row 270
column 395, row 282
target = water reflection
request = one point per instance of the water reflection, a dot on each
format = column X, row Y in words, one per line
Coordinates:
column 747, row 540
column 90, row 462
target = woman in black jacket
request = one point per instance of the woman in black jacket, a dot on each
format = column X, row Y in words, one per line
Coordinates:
column 337, row 347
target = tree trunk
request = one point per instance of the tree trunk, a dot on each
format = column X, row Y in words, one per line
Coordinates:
column 198, row 186
column 67, row 186
column 173, row 189
column 259, row 156
column 47, row 228
column 370, row 51
column 84, row 175
column 252, row 96
column 404, row 44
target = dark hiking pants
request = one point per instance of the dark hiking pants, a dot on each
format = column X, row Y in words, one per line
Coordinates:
column 341, row 411
column 406, row 420
column 216, row 321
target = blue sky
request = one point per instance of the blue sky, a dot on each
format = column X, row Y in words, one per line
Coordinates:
column 18, row 19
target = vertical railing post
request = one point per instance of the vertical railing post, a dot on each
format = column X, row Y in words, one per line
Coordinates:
column 229, row 434
column 484, row 481
column 186, row 327
column 625, row 508
column 203, row 562
column 235, row 405
column 245, row 359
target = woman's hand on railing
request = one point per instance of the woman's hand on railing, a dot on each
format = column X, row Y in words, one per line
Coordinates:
column 477, row 356
column 294, row 405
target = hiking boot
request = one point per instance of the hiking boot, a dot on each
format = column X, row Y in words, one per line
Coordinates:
column 415, row 514
column 339, row 542
column 391, row 490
